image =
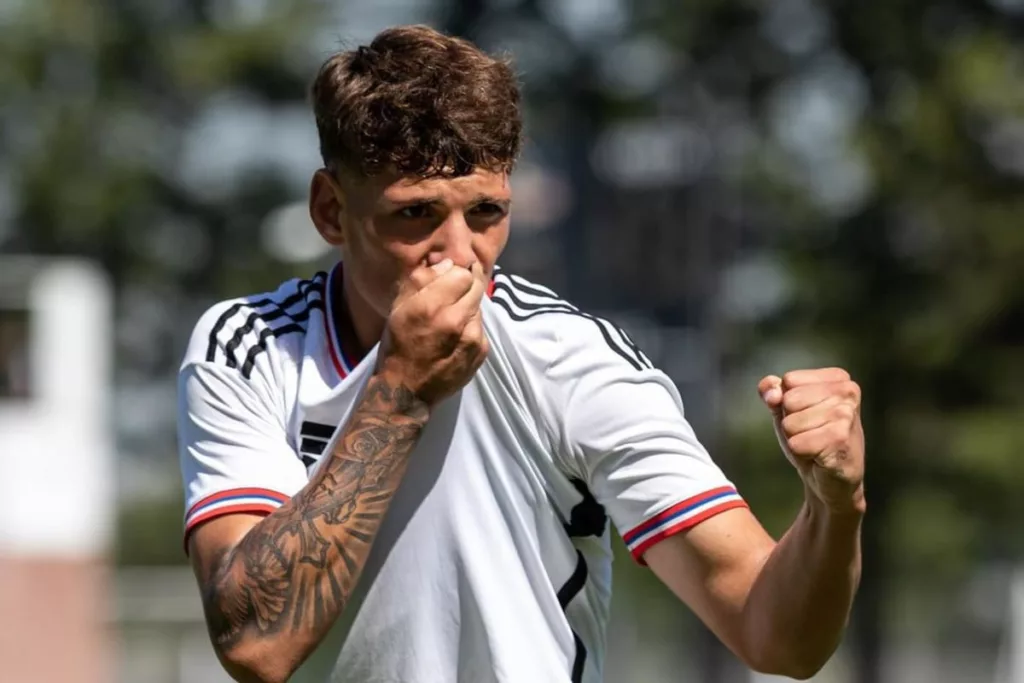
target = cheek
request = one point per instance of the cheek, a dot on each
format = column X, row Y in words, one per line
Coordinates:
column 373, row 267
column 489, row 244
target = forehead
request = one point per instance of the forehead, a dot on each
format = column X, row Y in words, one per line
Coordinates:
column 494, row 185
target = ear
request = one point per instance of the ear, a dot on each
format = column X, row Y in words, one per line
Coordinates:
column 326, row 204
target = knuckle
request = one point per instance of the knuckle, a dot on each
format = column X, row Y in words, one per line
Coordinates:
column 796, row 446
column 791, row 400
column 789, row 425
column 447, row 322
column 839, row 431
column 461, row 276
column 840, row 374
column 841, row 412
column 470, row 340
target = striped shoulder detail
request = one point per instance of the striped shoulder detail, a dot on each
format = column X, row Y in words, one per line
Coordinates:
column 523, row 300
column 242, row 331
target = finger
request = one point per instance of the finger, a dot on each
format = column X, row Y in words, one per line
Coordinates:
column 446, row 289
column 473, row 333
column 809, row 445
column 807, row 395
column 796, row 378
column 770, row 389
column 831, row 410
column 424, row 275
column 468, row 306
column 419, row 278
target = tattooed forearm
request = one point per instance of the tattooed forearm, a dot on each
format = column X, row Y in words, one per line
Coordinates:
column 294, row 571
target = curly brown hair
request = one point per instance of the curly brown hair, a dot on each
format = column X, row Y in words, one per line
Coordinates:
column 418, row 102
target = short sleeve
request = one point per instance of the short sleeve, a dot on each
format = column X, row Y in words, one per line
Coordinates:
column 233, row 448
column 624, row 424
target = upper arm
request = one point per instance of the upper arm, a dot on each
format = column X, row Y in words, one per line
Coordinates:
column 237, row 463
column 675, row 508
column 209, row 543
column 712, row 568
column 639, row 456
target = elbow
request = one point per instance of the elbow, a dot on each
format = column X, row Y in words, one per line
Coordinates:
column 248, row 663
column 796, row 671
column 799, row 666
column 781, row 651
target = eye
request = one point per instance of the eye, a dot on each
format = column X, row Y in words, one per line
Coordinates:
column 489, row 210
column 414, row 211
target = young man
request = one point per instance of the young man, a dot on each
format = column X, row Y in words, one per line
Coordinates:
column 415, row 462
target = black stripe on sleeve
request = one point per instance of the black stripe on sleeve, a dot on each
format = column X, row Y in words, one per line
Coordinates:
column 261, row 341
column 626, row 350
column 278, row 310
column 211, row 349
column 309, row 293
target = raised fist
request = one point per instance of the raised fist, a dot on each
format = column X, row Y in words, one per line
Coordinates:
column 817, row 421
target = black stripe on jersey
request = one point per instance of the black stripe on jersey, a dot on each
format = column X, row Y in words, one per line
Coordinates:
column 309, row 292
column 504, row 286
column 516, row 285
column 542, row 292
column 317, row 430
column 279, row 310
column 587, row 517
column 569, row 590
column 315, row 438
column 312, row 446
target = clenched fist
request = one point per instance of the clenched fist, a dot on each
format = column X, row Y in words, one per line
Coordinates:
column 434, row 340
column 817, row 421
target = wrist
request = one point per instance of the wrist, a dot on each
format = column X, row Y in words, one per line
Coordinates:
column 395, row 392
column 852, row 508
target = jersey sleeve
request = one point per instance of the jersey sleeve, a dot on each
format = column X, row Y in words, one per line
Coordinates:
column 625, row 427
column 234, row 452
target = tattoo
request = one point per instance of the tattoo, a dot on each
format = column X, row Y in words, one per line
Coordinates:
column 295, row 570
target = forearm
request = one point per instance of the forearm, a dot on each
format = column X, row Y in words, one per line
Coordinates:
column 277, row 593
column 800, row 603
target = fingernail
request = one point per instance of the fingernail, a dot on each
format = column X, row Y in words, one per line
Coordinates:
column 443, row 267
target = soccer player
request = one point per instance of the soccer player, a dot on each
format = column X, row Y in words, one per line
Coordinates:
column 413, row 464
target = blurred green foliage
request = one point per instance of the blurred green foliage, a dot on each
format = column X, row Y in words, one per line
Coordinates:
column 874, row 149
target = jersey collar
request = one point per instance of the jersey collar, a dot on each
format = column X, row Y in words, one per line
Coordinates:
column 343, row 363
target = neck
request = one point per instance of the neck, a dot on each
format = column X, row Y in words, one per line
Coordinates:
column 359, row 326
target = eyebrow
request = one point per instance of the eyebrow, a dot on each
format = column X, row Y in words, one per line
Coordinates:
column 487, row 199
column 478, row 199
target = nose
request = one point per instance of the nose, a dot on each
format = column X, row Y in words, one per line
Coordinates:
column 452, row 239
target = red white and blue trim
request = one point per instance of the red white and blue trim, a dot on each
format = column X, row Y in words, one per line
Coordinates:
column 342, row 363
column 251, row 500
column 681, row 517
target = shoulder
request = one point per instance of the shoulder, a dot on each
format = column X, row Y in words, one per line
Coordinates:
column 561, row 332
column 235, row 332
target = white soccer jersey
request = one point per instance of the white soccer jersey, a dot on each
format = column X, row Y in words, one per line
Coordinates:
column 493, row 563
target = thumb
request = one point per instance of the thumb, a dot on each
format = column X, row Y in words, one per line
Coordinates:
column 770, row 389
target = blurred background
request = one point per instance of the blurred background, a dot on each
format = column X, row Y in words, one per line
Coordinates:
column 747, row 186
